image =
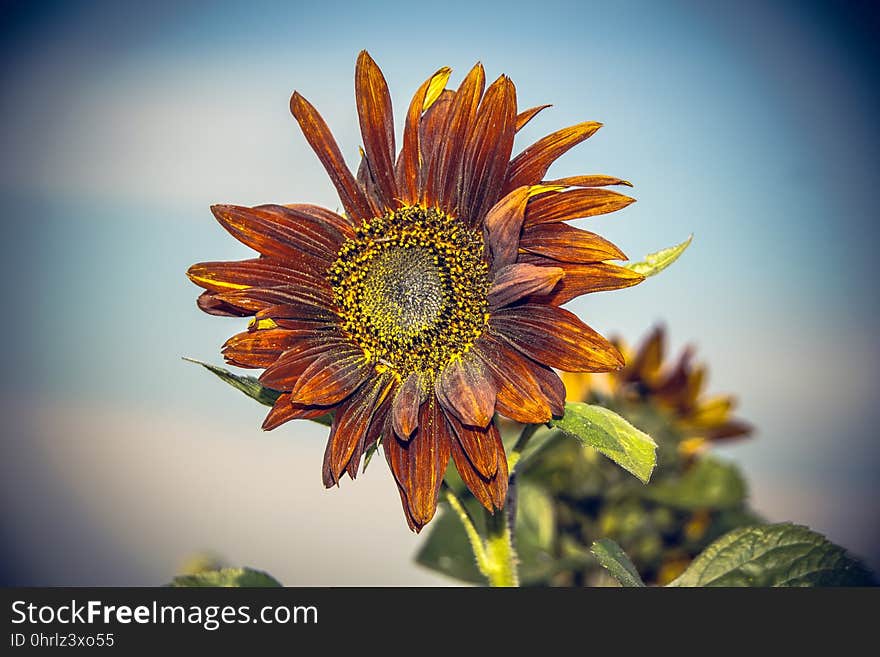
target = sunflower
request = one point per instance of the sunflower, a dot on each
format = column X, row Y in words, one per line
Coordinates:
column 433, row 301
column 677, row 389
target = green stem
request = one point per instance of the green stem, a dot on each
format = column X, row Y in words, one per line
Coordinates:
column 520, row 446
column 500, row 552
column 496, row 556
column 473, row 535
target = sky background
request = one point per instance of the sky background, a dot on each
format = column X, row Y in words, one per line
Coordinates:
column 751, row 125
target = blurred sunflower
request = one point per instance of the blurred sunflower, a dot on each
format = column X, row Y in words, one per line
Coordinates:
column 433, row 301
column 676, row 390
column 693, row 497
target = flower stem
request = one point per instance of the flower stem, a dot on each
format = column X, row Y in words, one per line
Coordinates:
column 479, row 549
column 500, row 552
column 520, row 446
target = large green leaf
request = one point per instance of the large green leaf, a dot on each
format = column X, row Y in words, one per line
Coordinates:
column 227, row 577
column 656, row 262
column 610, row 434
column 774, row 555
column 250, row 386
column 709, row 484
column 613, row 559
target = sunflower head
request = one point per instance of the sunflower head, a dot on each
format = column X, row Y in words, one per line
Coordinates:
column 433, row 302
column 676, row 388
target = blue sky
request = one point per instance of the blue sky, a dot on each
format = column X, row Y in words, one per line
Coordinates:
column 752, row 128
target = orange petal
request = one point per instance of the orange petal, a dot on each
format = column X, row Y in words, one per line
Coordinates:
column 489, row 491
column 582, row 279
column 332, row 376
column 286, row 371
column 275, row 230
column 487, row 151
column 527, row 115
column 555, row 337
column 520, row 396
column 467, row 391
column 351, row 423
column 513, row 282
column 649, row 357
column 284, row 411
column 405, row 409
column 377, row 126
column 445, row 169
column 258, row 349
column 431, row 133
column 420, row 464
column 503, row 225
column 479, row 445
column 530, row 166
column 409, row 162
column 568, row 244
column 355, row 202
column 595, row 180
column 574, row 204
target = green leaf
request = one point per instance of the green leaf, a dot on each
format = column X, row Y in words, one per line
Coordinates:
column 774, row 555
column 251, row 386
column 613, row 559
column 656, row 262
column 709, row 484
column 610, row 434
column 227, row 577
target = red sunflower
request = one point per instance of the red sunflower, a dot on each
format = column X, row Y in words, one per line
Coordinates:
column 434, row 301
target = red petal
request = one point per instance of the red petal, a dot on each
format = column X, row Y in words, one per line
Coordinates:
column 467, row 391
column 259, row 349
column 377, row 126
column 557, row 338
column 488, row 151
column 284, row 411
column 316, row 132
column 520, row 395
column 351, row 423
column 445, row 170
column 594, row 180
column 503, row 225
column 332, row 376
column 420, row 464
column 527, row 115
column 209, row 303
column 530, row 166
column 568, row 244
column 430, row 138
column 275, row 230
column 405, row 409
column 574, row 204
column 286, row 371
column 513, row 282
column 479, row 445
column 343, row 224
column 410, row 154
column 582, row 279
column 490, row 492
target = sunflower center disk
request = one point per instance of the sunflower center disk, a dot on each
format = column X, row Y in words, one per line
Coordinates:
column 411, row 289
